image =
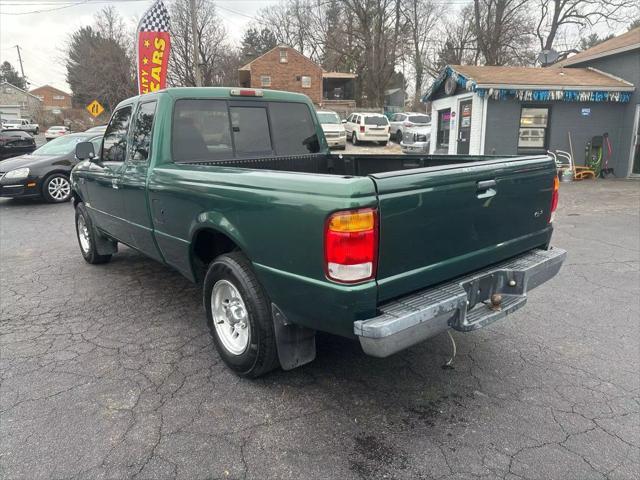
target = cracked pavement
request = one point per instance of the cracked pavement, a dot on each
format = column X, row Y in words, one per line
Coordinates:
column 108, row 372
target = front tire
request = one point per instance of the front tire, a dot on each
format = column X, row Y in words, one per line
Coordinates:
column 56, row 188
column 354, row 139
column 398, row 137
column 86, row 238
column 239, row 316
column 384, row 144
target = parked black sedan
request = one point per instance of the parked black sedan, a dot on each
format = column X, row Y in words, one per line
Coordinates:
column 45, row 171
column 15, row 142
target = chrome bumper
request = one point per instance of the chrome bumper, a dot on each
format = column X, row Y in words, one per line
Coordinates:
column 463, row 304
column 416, row 147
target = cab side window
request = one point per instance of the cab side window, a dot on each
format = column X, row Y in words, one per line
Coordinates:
column 141, row 133
column 114, row 148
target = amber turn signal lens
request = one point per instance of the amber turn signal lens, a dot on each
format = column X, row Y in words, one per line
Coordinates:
column 358, row 221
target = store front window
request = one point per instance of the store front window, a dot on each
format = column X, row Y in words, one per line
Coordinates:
column 444, row 128
column 534, row 127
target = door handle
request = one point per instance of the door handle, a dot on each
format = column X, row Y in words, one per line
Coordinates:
column 491, row 192
column 486, row 184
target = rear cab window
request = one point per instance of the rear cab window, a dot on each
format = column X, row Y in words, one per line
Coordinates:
column 212, row 130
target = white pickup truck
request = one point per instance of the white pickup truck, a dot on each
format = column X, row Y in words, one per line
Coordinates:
column 21, row 124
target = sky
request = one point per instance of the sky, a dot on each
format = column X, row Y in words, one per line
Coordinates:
column 41, row 29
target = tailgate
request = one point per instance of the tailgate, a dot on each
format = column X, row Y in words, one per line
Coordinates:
column 442, row 222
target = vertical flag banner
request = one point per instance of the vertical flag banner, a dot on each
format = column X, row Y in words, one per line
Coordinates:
column 153, row 45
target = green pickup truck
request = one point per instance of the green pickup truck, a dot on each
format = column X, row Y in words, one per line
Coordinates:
column 237, row 190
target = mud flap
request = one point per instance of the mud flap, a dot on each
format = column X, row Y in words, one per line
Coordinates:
column 296, row 344
column 104, row 246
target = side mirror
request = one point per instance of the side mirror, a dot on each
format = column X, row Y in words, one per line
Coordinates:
column 344, row 121
column 84, row 151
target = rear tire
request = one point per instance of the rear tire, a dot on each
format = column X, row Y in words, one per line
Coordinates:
column 384, row 144
column 86, row 237
column 239, row 316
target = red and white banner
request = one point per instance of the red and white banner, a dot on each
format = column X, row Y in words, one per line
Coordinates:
column 153, row 47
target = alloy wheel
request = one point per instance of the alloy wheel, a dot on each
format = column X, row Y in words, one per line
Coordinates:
column 83, row 234
column 230, row 317
column 59, row 188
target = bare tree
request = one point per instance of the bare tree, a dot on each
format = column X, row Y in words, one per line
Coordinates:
column 557, row 16
column 459, row 46
column 421, row 18
column 110, row 25
column 503, row 31
column 375, row 40
column 215, row 54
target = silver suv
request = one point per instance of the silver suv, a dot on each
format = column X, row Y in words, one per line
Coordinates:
column 402, row 121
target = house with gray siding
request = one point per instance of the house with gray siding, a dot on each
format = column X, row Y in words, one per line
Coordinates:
column 523, row 110
column 16, row 103
column 619, row 56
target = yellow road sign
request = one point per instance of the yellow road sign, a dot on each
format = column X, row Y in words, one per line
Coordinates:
column 94, row 108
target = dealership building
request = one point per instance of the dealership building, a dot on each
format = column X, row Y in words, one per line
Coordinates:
column 522, row 110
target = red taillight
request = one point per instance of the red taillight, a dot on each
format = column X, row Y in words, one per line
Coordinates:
column 361, row 128
column 351, row 245
column 554, row 197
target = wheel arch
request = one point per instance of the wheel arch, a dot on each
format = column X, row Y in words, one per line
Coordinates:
column 207, row 243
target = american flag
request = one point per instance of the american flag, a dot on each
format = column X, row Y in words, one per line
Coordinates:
column 156, row 19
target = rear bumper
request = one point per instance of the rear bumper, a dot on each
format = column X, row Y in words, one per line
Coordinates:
column 336, row 141
column 409, row 320
column 373, row 137
column 416, row 147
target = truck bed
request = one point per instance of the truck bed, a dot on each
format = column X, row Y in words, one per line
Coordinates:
column 351, row 165
column 440, row 216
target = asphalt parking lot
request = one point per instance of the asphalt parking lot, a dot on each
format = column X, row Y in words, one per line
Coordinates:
column 108, row 372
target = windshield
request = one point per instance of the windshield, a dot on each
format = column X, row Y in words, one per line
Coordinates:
column 328, row 118
column 419, row 119
column 59, row 146
column 54, row 129
column 376, row 121
column 13, row 122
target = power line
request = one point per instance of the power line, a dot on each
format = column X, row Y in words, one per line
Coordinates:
column 46, row 10
column 62, row 5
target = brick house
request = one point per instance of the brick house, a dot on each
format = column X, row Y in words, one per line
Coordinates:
column 284, row 68
column 52, row 98
column 16, row 103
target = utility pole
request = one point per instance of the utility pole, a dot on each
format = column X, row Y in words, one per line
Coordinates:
column 194, row 35
column 20, row 59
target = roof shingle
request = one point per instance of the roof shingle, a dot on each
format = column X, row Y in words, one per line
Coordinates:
column 627, row 41
column 585, row 78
